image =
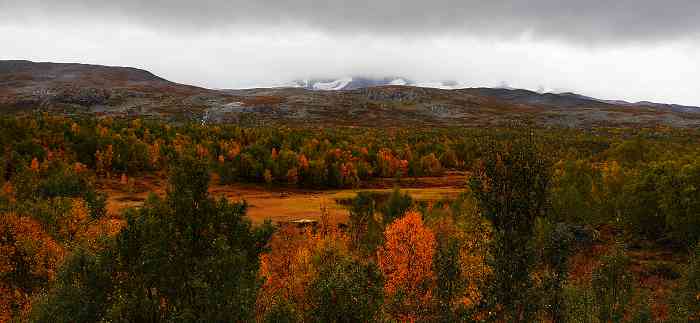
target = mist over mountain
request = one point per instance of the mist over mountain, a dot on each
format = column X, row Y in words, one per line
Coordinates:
column 359, row 82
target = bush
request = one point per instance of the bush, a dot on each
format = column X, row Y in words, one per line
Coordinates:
column 572, row 197
column 685, row 305
column 612, row 286
column 81, row 292
column 646, row 217
column 664, row 201
column 365, row 230
column 396, row 206
column 579, row 304
column 556, row 245
column 345, row 289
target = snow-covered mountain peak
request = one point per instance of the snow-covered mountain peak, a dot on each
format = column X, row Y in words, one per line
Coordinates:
column 336, row 85
column 353, row 83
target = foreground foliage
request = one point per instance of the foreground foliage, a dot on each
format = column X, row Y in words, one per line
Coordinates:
column 507, row 249
column 188, row 257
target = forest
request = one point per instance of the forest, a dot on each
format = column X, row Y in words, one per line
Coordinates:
column 551, row 225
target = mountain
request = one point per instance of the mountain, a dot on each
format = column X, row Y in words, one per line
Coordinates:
column 520, row 96
column 665, row 106
column 96, row 88
column 354, row 83
column 353, row 101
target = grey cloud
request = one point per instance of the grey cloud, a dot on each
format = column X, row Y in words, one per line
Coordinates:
column 588, row 22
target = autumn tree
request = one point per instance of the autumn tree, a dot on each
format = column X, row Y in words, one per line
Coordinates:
column 29, row 261
column 290, row 267
column 286, row 271
column 431, row 165
column 459, row 263
column 406, row 259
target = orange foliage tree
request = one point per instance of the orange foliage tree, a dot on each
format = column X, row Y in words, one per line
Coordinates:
column 287, row 269
column 406, row 259
column 29, row 259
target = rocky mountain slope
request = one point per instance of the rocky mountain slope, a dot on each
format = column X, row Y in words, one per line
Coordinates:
column 28, row 85
column 76, row 88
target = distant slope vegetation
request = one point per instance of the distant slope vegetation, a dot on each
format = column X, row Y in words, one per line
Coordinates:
column 66, row 72
column 103, row 90
column 29, row 85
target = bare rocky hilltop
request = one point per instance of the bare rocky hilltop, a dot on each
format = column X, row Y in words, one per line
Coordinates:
column 102, row 90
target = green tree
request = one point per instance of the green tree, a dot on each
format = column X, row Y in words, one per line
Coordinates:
column 81, row 292
column 186, row 258
column 557, row 248
column 448, row 271
column 365, row 230
column 511, row 187
column 345, row 289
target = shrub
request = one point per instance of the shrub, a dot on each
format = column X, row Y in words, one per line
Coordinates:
column 345, row 289
column 396, row 206
column 685, row 301
column 556, row 246
column 612, row 286
column 81, row 292
column 365, row 230
column 572, row 197
column 579, row 304
column 431, row 165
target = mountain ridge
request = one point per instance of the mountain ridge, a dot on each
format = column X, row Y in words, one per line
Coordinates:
column 391, row 101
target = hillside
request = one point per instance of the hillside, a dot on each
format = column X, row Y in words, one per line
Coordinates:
column 93, row 88
column 78, row 88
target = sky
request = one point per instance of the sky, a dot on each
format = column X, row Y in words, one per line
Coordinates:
column 622, row 49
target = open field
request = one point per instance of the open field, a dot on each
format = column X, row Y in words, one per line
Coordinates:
column 282, row 204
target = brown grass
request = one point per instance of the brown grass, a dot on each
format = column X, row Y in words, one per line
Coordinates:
column 276, row 203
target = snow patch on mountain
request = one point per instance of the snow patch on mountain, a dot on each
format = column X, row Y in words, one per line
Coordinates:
column 333, row 85
column 398, row 81
column 353, row 83
column 439, row 85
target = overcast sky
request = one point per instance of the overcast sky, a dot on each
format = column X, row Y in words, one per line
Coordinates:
column 623, row 49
